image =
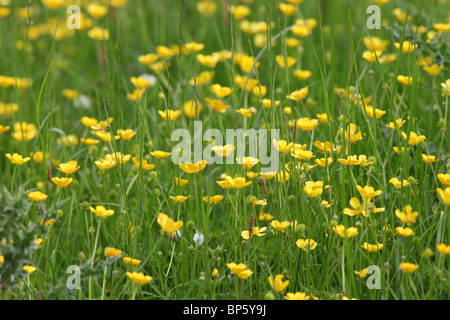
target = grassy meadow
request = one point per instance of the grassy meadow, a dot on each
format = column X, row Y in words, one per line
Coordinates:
column 92, row 206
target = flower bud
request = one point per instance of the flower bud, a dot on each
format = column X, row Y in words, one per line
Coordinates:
column 269, row 296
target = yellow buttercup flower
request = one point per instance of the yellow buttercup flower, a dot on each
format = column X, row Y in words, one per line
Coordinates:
column 138, row 277
column 220, row 91
column 145, row 165
column 217, row 105
column 62, row 182
column 37, row 196
column 342, row 232
column 206, row 7
column 408, row 216
column 444, row 178
column 105, row 136
column 362, row 273
column 282, row 145
column 90, row 141
column 247, row 162
column 244, row 112
column 372, row 247
column 434, row 69
column 29, row 269
column 278, row 283
column 405, row 80
column 193, row 167
column 279, row 226
column 101, row 212
column 53, row 4
column 213, row 200
column 429, row 159
column 169, row 114
column 359, row 208
column 302, row 74
column 282, row 63
column 351, row 133
column 306, row 244
column 407, row 267
column 404, row 232
column 97, row 11
column 314, row 188
column 443, row 249
column 287, row 9
column 69, row 167
column 168, row 224
column 241, row 270
column 298, row 153
column 259, row 232
column 368, row 192
column 296, row 296
column 192, row 108
column 396, row 125
column 131, row 262
column 207, row 60
column 105, row 164
column 112, row 252
column 236, row 183
column 126, row 134
column 17, row 159
column 179, row 199
column 4, row 128
column 223, row 151
column 49, row 222
column 444, row 194
column 299, row 94
column 148, row 59
column 375, row 43
column 180, row 182
column 414, row 139
column 160, row 154
column 118, row 157
column 99, row 34
column 399, row 184
column 407, row 46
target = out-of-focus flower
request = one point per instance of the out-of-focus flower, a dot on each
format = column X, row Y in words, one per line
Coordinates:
column 408, row 267
column 444, row 194
column 37, row 196
column 278, row 283
column 138, row 277
column 112, row 252
column 69, row 167
column 193, row 167
column 101, row 212
column 62, row 182
column 168, row 224
column 29, row 269
column 299, row 94
column 256, row 231
column 408, row 216
column 297, row 296
column 306, row 244
column 345, row 233
column 241, row 270
column 17, row 158
column 131, row 262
